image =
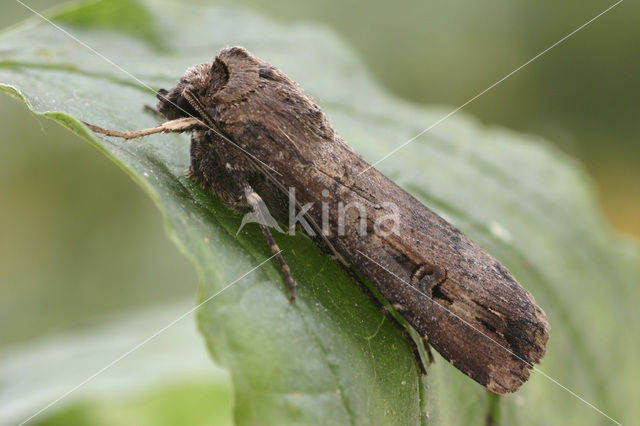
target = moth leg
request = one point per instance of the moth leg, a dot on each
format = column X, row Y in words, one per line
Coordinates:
column 153, row 111
column 427, row 349
column 286, row 271
column 174, row 126
column 401, row 328
column 255, row 202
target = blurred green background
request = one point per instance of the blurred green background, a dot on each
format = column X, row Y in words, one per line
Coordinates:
column 61, row 248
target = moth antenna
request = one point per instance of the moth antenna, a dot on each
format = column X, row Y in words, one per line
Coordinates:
column 197, row 105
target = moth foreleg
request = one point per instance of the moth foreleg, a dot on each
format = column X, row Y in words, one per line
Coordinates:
column 257, row 205
column 174, row 126
column 153, row 111
column 286, row 271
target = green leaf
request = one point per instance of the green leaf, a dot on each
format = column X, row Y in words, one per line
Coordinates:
column 332, row 358
column 193, row 404
column 168, row 381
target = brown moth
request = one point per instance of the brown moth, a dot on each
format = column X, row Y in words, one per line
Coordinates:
column 257, row 137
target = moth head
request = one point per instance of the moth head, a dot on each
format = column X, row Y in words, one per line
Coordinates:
column 233, row 74
column 176, row 103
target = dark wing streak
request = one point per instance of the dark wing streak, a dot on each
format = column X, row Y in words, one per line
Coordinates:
column 306, row 216
column 197, row 105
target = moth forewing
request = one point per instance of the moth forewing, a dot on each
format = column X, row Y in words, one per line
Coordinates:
column 265, row 133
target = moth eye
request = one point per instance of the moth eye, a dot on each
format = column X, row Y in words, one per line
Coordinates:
column 185, row 107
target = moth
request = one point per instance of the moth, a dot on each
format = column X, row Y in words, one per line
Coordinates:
column 257, row 137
